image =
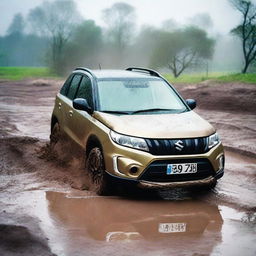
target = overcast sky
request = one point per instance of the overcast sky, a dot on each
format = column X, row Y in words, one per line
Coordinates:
column 150, row 12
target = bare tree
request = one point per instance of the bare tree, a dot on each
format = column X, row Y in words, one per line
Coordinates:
column 56, row 21
column 182, row 49
column 246, row 31
column 182, row 60
column 120, row 19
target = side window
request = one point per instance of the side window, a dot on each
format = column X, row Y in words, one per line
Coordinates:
column 85, row 90
column 65, row 86
column 73, row 86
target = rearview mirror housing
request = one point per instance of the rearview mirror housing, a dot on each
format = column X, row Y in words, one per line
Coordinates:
column 191, row 103
column 82, row 104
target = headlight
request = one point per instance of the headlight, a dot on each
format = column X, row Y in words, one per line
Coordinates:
column 129, row 141
column 213, row 140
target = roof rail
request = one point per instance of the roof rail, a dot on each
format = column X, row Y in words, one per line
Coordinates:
column 85, row 69
column 144, row 70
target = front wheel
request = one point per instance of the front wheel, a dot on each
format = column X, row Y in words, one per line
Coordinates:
column 96, row 172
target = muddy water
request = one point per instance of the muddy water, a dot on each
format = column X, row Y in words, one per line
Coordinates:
column 236, row 158
column 238, row 184
column 77, row 223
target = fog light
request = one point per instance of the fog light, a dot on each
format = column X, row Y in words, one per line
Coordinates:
column 133, row 170
column 221, row 162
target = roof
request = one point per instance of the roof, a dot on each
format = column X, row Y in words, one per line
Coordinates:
column 119, row 73
column 110, row 73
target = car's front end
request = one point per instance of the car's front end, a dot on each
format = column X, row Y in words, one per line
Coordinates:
column 157, row 161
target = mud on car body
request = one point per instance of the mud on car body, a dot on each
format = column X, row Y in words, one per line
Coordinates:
column 135, row 128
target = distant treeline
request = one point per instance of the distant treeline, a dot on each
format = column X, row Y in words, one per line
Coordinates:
column 54, row 34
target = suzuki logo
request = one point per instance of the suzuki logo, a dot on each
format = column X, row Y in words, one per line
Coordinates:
column 179, row 145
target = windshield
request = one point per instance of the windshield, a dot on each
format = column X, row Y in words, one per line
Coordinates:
column 138, row 95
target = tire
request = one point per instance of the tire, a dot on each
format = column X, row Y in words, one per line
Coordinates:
column 95, row 167
column 55, row 135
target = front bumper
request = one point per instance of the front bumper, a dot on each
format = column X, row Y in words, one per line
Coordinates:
column 165, row 185
column 120, row 162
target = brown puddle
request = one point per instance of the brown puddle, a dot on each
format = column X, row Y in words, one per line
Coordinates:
column 236, row 158
column 111, row 219
column 78, row 224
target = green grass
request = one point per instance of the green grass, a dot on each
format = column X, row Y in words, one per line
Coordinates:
column 215, row 76
column 243, row 78
column 18, row 73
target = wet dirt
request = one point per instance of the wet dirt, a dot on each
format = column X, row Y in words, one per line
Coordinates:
column 45, row 211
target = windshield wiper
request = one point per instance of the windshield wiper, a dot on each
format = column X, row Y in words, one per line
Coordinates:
column 151, row 110
column 115, row 112
column 142, row 111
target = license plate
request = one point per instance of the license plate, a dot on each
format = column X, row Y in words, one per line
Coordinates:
column 181, row 168
column 172, row 227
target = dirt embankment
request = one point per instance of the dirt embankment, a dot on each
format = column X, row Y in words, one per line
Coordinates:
column 224, row 97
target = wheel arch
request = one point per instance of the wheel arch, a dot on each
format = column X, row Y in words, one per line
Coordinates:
column 93, row 141
column 54, row 120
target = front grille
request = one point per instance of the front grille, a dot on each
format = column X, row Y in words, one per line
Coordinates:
column 156, row 171
column 171, row 146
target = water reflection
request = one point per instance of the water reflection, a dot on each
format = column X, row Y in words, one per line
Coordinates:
column 115, row 219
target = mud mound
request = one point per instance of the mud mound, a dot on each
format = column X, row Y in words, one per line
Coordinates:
column 232, row 97
column 15, row 154
column 61, row 164
column 42, row 82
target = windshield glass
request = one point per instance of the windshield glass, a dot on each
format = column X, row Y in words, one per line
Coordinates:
column 132, row 95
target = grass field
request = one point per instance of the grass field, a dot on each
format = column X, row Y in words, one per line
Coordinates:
column 17, row 73
column 244, row 78
column 216, row 76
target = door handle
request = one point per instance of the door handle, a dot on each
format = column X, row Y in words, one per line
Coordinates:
column 70, row 113
column 59, row 105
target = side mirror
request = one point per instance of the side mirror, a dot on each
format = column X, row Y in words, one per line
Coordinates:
column 191, row 103
column 82, row 104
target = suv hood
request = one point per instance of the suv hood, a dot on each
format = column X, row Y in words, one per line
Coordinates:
column 171, row 126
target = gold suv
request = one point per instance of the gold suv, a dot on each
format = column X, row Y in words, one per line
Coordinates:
column 135, row 128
